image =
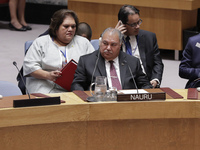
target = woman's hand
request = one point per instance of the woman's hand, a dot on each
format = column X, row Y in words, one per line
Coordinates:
column 53, row 75
column 42, row 74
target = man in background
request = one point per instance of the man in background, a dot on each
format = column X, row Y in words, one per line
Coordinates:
column 190, row 64
column 84, row 30
column 140, row 43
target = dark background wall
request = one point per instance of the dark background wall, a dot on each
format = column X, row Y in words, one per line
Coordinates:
column 34, row 13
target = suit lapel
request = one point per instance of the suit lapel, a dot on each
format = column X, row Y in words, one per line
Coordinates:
column 141, row 46
column 101, row 66
column 122, row 66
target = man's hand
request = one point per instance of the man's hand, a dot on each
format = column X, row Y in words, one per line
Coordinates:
column 154, row 83
column 121, row 27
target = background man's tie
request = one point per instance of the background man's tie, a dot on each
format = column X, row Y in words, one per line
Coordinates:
column 128, row 46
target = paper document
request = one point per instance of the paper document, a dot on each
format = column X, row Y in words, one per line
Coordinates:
column 132, row 91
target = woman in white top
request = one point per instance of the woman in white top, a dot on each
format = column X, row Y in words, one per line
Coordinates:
column 49, row 53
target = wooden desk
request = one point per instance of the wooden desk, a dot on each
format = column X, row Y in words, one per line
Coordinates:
column 166, row 18
column 78, row 125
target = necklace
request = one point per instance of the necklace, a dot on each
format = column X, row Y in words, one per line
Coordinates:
column 61, row 44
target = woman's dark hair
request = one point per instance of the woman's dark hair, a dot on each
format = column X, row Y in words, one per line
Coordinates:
column 125, row 11
column 57, row 20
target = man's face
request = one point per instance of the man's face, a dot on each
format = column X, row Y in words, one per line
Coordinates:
column 67, row 30
column 132, row 20
column 110, row 45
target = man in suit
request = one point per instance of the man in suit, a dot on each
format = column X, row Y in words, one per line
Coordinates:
column 98, row 63
column 140, row 43
column 189, row 67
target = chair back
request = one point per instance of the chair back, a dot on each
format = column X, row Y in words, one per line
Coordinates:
column 95, row 43
column 21, row 81
column 9, row 89
column 27, row 45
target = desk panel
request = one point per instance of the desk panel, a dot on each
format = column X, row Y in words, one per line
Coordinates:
column 171, row 4
column 54, row 136
column 145, row 134
column 173, row 124
column 167, row 18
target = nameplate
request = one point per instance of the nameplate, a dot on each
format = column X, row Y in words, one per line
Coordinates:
column 36, row 102
column 141, row 96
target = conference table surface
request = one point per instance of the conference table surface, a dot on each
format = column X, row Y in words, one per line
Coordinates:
column 78, row 110
column 170, row 124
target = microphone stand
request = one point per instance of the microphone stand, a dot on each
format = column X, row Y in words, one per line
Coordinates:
column 15, row 64
column 36, row 101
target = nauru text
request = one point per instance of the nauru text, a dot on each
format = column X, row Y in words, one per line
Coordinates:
column 141, row 97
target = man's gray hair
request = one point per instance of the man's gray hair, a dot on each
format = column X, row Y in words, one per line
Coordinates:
column 113, row 30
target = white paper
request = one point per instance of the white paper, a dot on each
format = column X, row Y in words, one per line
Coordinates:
column 132, row 91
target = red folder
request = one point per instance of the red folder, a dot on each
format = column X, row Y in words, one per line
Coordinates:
column 67, row 75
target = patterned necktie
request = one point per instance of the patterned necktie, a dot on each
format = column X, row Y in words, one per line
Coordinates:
column 114, row 78
column 128, row 46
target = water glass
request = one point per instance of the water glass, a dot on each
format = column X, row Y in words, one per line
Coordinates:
column 100, row 88
column 113, row 93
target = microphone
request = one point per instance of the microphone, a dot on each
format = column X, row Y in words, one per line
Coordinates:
column 145, row 96
column 15, row 64
column 132, row 76
column 95, row 66
column 46, row 100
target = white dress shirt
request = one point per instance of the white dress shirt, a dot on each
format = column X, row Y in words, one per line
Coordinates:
column 135, row 49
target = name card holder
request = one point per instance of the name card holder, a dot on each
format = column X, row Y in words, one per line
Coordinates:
column 36, row 102
column 141, row 96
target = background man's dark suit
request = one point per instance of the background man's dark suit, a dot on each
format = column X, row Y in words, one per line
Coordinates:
column 190, row 64
column 86, row 65
column 150, row 54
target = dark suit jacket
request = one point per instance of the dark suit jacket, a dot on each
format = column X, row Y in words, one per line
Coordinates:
column 86, row 65
column 189, row 67
column 150, row 55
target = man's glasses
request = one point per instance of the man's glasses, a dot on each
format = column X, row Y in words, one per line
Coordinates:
column 135, row 24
